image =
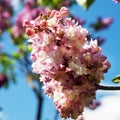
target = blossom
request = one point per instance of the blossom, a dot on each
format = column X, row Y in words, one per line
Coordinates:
column 95, row 105
column 69, row 65
column 29, row 12
column 3, row 79
column 79, row 20
column 116, row 1
column 102, row 23
column 5, row 14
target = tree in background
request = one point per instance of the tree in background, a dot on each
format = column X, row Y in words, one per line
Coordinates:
column 66, row 56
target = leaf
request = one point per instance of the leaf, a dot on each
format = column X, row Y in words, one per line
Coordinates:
column 17, row 55
column 9, row 30
column 45, row 2
column 116, row 79
column 85, row 3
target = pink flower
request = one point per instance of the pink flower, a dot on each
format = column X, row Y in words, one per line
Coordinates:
column 5, row 14
column 116, row 1
column 102, row 23
column 59, row 14
column 69, row 65
column 95, row 105
column 3, row 79
column 107, row 21
column 29, row 12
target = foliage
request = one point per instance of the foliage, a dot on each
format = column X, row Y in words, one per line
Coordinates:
column 85, row 3
column 116, row 79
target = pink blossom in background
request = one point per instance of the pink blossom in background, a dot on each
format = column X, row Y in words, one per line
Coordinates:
column 107, row 21
column 69, row 65
column 102, row 23
column 3, row 79
column 5, row 14
column 116, row 1
column 29, row 12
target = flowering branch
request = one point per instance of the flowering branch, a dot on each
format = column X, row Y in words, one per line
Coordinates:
column 68, row 64
column 101, row 87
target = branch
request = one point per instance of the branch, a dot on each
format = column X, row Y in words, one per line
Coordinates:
column 101, row 87
column 40, row 99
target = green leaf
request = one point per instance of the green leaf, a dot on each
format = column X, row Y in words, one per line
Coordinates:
column 44, row 2
column 85, row 3
column 17, row 55
column 9, row 30
column 116, row 79
column 51, row 3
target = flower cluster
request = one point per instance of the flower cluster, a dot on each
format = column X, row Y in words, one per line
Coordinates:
column 5, row 14
column 29, row 12
column 69, row 65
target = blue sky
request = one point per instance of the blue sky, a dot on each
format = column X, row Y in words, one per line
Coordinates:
column 19, row 101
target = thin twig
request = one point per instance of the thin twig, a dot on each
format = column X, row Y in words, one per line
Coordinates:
column 40, row 99
column 101, row 87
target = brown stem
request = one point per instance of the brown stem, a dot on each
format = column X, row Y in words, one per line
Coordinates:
column 101, row 87
column 39, row 106
column 39, row 97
